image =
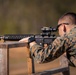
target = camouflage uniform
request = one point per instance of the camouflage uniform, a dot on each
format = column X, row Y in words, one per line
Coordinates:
column 67, row 44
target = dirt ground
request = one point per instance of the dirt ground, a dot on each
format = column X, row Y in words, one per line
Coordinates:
column 18, row 65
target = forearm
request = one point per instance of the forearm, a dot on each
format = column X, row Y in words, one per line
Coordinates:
column 50, row 53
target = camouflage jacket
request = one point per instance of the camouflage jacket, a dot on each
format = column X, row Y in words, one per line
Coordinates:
column 60, row 45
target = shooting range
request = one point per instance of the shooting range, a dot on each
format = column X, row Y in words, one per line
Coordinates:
column 20, row 17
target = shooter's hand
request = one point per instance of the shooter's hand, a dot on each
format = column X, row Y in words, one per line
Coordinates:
column 24, row 39
column 29, row 40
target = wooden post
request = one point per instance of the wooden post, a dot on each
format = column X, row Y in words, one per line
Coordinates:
column 4, row 61
column 30, row 62
column 4, row 57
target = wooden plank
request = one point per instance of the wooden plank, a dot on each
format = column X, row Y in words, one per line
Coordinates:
column 53, row 71
column 13, row 44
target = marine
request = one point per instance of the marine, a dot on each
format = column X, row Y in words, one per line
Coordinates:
column 66, row 43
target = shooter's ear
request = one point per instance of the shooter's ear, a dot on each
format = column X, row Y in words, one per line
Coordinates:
column 64, row 28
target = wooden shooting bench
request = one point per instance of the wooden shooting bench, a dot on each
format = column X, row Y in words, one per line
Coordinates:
column 4, row 61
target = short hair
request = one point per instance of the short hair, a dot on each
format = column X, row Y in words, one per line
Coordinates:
column 70, row 16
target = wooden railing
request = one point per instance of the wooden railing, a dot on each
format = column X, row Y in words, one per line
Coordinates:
column 4, row 61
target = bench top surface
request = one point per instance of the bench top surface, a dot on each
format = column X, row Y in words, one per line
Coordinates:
column 13, row 44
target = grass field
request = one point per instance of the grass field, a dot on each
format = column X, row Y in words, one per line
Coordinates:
column 18, row 64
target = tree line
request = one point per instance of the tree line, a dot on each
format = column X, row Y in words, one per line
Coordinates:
column 28, row 16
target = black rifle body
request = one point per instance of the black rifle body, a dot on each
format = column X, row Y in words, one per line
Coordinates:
column 38, row 38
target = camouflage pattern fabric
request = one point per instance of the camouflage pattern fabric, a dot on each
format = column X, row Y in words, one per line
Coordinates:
column 67, row 44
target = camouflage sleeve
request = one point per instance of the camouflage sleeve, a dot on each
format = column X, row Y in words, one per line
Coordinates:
column 57, row 48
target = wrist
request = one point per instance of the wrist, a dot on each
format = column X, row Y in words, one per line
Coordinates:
column 31, row 39
column 32, row 44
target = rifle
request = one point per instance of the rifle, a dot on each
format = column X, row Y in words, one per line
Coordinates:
column 43, row 38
